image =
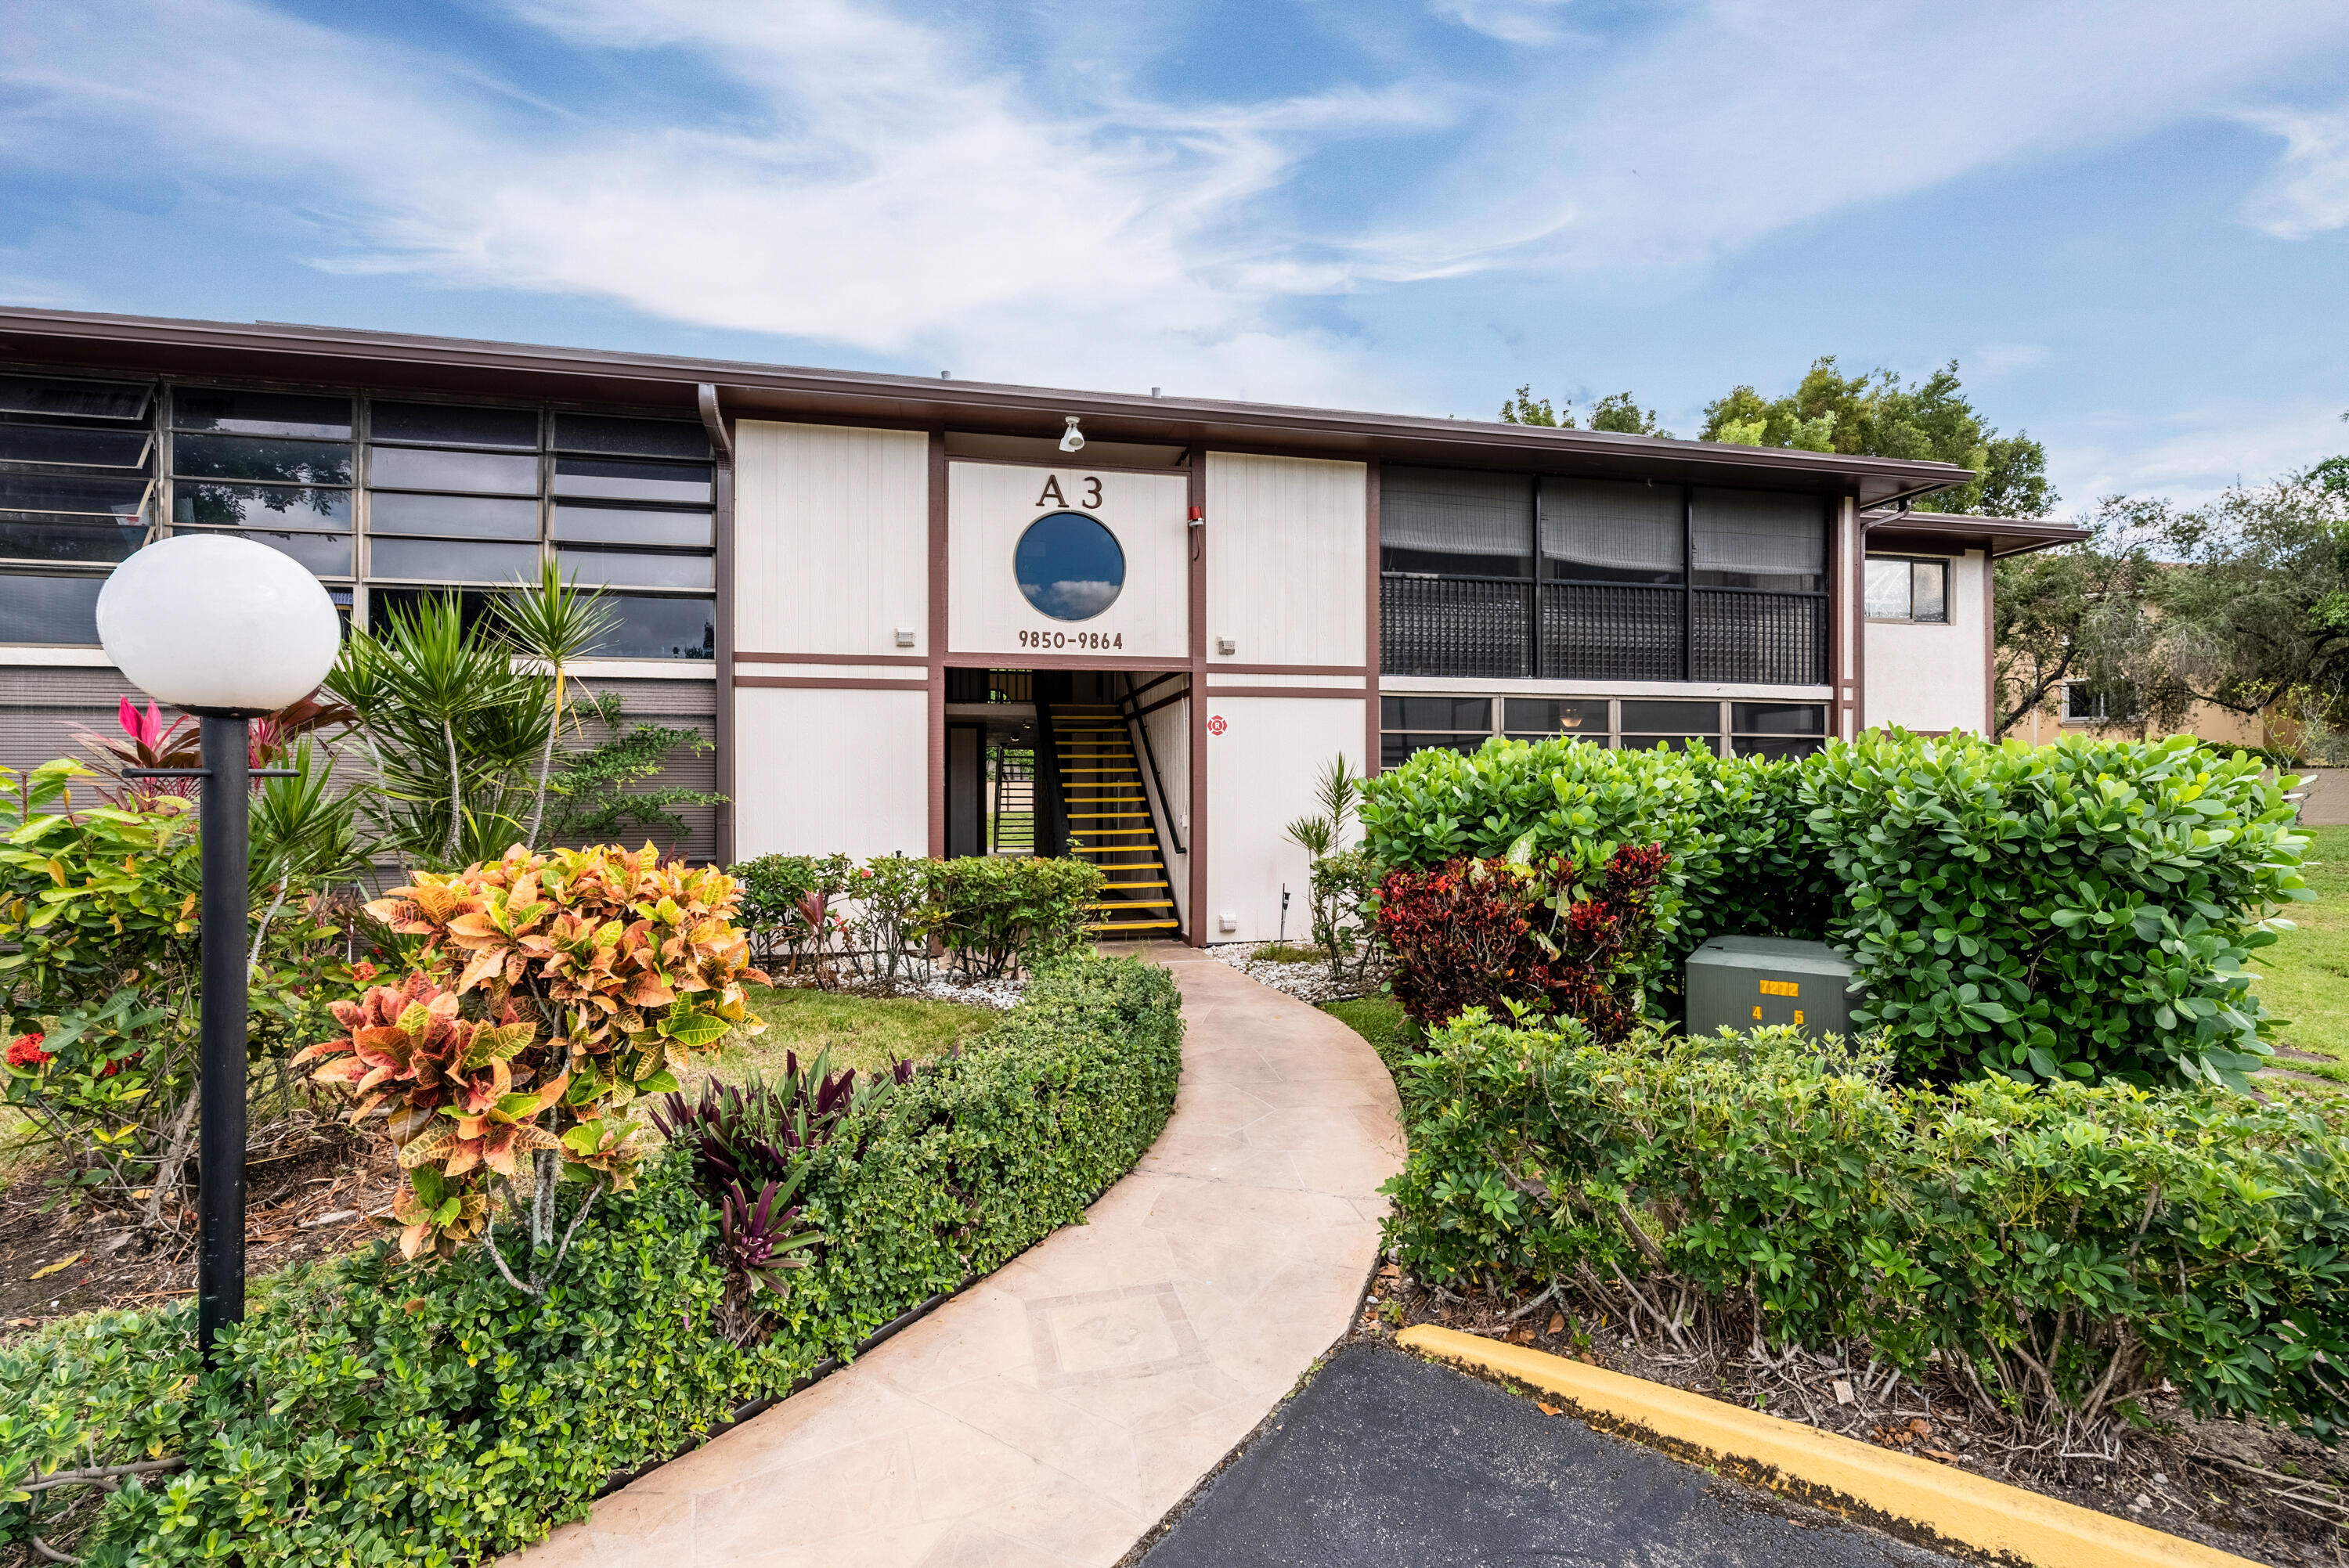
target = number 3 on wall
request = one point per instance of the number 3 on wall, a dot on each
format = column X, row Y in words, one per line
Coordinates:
column 1052, row 497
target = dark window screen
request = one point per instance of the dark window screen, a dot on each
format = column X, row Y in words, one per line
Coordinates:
column 1595, row 531
column 1458, row 522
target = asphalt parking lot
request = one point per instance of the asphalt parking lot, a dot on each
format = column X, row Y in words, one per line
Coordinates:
column 1391, row 1460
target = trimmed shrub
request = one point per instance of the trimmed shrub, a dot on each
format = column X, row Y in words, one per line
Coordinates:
column 1487, row 933
column 2082, row 909
column 2078, row 909
column 373, row 1411
column 997, row 912
column 2064, row 1248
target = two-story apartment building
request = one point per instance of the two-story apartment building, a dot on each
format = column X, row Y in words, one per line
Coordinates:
column 940, row 617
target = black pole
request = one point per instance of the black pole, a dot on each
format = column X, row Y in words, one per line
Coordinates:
column 226, row 822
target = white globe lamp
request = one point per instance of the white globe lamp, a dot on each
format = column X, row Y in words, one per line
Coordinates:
column 218, row 625
column 227, row 630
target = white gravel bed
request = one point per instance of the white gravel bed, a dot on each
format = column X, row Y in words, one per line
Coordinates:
column 1306, row 982
column 945, row 987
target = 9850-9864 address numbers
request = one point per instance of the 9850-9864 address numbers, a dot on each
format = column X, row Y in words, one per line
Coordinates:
column 1089, row 642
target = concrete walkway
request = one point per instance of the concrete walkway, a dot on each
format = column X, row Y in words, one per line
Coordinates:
column 1056, row 1410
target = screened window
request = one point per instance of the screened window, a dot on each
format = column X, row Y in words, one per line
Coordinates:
column 2084, row 704
column 1498, row 575
column 1414, row 723
column 1901, row 589
column 388, row 498
column 1410, row 724
column 1777, row 729
column 76, row 481
column 270, row 467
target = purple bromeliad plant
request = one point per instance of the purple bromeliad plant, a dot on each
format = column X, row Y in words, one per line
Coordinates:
column 750, row 1145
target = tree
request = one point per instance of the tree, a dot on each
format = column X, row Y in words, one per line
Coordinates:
column 1524, row 408
column 1876, row 415
column 1618, row 411
column 1621, row 412
column 2255, row 608
column 2082, row 611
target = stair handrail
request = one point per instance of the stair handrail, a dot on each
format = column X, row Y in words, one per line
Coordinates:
column 1129, row 707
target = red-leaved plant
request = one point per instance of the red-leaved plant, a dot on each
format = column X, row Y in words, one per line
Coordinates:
column 548, row 993
column 1498, row 932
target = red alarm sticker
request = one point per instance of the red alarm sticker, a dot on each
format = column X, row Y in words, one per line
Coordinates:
column 1216, row 726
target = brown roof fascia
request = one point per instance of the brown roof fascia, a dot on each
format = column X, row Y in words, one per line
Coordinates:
column 2003, row 536
column 292, row 352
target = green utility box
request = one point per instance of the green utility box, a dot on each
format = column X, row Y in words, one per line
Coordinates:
column 1745, row 982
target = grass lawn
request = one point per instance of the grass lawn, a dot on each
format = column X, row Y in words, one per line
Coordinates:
column 2304, row 977
column 1380, row 1020
column 863, row 1032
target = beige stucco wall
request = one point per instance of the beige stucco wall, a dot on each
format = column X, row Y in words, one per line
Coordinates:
column 990, row 505
column 830, row 539
column 823, row 770
column 1260, row 776
column 1287, row 579
column 1933, row 677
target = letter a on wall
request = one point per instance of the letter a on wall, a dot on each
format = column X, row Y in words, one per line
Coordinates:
column 1051, row 496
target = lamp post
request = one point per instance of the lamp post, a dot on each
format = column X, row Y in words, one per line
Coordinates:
column 228, row 630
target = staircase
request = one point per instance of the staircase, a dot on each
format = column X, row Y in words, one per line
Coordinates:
column 1109, row 818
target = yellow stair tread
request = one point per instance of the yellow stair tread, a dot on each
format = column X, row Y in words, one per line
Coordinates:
column 1133, row 925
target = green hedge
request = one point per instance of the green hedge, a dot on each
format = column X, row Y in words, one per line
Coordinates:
column 367, row 1412
column 2036, row 1237
column 2082, row 909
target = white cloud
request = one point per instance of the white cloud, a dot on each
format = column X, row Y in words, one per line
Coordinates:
column 1747, row 117
column 1511, row 21
column 880, row 181
column 2191, row 456
column 876, row 186
column 2307, row 193
column 1996, row 361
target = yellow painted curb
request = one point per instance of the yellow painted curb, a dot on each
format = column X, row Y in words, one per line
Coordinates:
column 1936, row 1504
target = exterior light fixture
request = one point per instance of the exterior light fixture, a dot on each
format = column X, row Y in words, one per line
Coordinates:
column 1073, row 440
column 227, row 630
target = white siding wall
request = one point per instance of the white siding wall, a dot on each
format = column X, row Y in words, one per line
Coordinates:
column 825, row 771
column 1260, row 776
column 1170, row 740
column 1286, row 575
column 1928, row 676
column 990, row 505
column 830, row 539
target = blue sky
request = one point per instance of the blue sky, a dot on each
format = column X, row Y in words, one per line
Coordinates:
column 2128, row 222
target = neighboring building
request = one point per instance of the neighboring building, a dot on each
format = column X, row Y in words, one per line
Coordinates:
column 913, row 621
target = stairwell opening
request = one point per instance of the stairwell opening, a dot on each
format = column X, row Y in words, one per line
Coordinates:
column 1062, row 762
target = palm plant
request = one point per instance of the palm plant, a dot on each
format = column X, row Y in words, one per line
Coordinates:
column 555, row 625
column 453, row 723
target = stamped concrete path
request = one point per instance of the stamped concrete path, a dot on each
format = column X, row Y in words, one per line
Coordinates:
column 1053, row 1412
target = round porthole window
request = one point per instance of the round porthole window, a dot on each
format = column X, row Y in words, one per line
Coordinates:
column 1069, row 566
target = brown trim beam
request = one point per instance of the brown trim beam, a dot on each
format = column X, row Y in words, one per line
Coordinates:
column 830, row 683
column 1197, row 922
column 730, row 774
column 937, row 768
column 1352, row 694
column 1373, row 639
column 1216, row 667
column 917, row 661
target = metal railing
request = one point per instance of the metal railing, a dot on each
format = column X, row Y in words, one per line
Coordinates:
column 1767, row 639
column 1611, row 632
column 1482, row 628
column 1455, row 625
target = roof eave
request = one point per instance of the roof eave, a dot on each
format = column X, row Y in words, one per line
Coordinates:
column 293, row 351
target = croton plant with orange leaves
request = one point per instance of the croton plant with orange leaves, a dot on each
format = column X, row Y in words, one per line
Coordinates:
column 548, row 991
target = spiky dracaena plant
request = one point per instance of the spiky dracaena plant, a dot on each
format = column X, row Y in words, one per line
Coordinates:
column 604, row 973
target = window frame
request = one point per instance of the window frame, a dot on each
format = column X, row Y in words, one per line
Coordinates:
column 1913, row 562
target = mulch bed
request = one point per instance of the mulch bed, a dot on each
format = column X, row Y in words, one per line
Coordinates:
column 2248, row 1488
column 314, row 1189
